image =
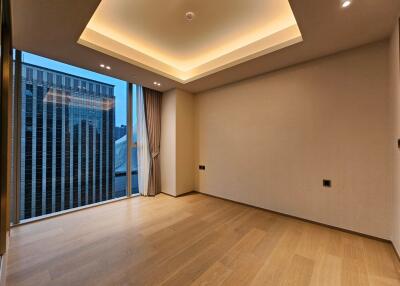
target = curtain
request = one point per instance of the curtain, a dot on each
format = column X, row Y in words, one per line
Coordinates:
column 143, row 151
column 152, row 105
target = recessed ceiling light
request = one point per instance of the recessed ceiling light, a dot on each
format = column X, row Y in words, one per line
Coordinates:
column 345, row 3
column 103, row 66
column 190, row 15
column 157, row 83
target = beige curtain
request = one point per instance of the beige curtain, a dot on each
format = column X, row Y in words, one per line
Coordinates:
column 152, row 104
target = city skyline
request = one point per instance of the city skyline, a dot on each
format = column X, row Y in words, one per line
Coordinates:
column 67, row 141
column 119, row 85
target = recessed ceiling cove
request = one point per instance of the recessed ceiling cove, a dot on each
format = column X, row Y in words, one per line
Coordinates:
column 159, row 36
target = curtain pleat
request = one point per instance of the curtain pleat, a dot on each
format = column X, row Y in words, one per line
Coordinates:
column 152, row 104
column 142, row 144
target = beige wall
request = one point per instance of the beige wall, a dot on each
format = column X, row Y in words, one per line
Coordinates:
column 168, row 144
column 394, row 62
column 271, row 140
column 177, row 143
column 185, row 163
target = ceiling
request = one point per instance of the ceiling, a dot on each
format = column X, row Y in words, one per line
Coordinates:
column 53, row 28
column 221, row 34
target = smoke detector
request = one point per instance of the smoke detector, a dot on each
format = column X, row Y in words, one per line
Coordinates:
column 190, row 16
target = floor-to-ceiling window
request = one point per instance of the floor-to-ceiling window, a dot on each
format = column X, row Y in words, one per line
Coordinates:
column 73, row 138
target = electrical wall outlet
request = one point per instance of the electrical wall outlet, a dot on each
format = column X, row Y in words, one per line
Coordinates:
column 327, row 183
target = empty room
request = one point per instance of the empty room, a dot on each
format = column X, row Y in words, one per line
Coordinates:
column 200, row 142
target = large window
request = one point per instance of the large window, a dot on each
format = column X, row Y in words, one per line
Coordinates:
column 73, row 138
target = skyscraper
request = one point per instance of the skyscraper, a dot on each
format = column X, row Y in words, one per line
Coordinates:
column 67, row 141
column 120, row 131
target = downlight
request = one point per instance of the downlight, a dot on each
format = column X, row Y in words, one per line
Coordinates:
column 345, row 3
column 103, row 66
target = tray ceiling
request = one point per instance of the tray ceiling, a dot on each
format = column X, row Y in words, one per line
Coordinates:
column 160, row 38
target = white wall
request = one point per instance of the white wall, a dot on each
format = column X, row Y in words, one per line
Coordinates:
column 394, row 62
column 271, row 140
column 177, row 143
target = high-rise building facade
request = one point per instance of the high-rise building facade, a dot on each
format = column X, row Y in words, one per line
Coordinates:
column 67, row 141
column 120, row 131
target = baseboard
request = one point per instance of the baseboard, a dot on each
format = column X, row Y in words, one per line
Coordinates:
column 303, row 219
column 168, row 194
column 395, row 250
column 181, row 195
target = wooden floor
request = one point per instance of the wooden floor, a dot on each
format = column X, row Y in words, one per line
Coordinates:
column 192, row 240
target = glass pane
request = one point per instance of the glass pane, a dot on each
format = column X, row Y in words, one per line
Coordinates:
column 121, row 144
column 134, row 163
column 70, row 120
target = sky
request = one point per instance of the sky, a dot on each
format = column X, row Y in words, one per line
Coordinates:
column 119, row 90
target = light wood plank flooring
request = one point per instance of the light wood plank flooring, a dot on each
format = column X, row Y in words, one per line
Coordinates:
column 192, row 240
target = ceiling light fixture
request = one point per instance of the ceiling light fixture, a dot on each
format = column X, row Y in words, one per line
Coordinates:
column 157, row 83
column 103, row 66
column 190, row 16
column 345, row 3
